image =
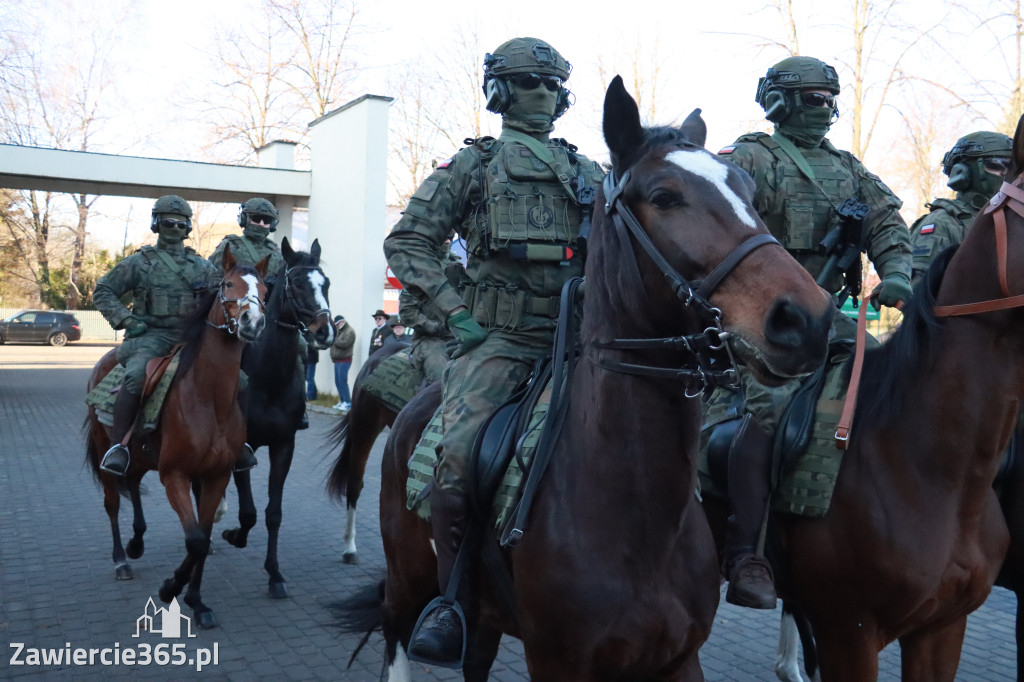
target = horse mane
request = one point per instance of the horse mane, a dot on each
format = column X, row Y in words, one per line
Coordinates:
column 890, row 371
column 194, row 323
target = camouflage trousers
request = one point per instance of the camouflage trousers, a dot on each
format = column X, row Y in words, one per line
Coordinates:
column 429, row 354
column 135, row 353
column 475, row 385
column 768, row 403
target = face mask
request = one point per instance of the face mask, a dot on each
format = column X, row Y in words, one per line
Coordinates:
column 807, row 126
column 172, row 231
column 256, row 233
column 532, row 111
column 985, row 183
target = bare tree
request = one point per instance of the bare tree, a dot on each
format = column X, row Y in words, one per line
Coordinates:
column 997, row 97
column 642, row 65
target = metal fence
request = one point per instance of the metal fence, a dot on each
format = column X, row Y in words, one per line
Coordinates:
column 94, row 327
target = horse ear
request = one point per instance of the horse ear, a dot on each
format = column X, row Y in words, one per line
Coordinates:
column 694, row 128
column 622, row 129
column 314, row 250
column 227, row 262
column 261, row 267
column 287, row 251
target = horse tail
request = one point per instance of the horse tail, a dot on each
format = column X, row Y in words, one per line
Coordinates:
column 92, row 456
column 361, row 613
column 337, row 479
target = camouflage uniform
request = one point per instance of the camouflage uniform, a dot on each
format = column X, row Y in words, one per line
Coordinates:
column 516, row 203
column 430, row 337
column 975, row 166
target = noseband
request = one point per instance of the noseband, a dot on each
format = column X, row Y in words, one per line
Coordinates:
column 712, row 362
column 231, row 323
column 299, row 309
column 1010, row 197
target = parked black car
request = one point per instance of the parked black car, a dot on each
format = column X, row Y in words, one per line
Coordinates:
column 40, row 326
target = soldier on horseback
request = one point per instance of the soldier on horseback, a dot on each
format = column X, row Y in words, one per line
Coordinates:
column 825, row 208
column 975, row 167
column 519, row 202
column 163, row 281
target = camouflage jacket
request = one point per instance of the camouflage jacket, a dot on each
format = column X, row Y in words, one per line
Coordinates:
column 944, row 225
column 420, row 314
column 163, row 284
column 515, row 268
column 249, row 252
column 800, row 214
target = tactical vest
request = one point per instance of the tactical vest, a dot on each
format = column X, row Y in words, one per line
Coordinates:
column 166, row 292
column 529, row 213
column 796, row 212
column 959, row 210
column 246, row 252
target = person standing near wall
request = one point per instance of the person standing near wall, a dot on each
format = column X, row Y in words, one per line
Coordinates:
column 341, row 355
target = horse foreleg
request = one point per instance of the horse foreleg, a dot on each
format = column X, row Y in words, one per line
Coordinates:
column 846, row 654
column 934, row 655
column 239, row 537
column 112, row 505
column 136, row 546
column 350, row 556
column 197, row 544
column 280, row 464
column 481, row 650
column 358, row 446
column 210, row 493
column 787, row 657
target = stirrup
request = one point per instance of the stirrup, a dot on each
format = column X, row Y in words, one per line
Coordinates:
column 428, row 612
column 116, row 460
column 304, row 422
column 246, row 459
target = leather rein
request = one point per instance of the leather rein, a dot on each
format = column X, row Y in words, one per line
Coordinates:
column 710, row 362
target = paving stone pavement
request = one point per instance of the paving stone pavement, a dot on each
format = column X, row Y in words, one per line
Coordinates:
column 57, row 587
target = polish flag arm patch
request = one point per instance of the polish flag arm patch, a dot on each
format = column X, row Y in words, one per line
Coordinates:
column 928, row 229
column 727, row 150
column 445, row 163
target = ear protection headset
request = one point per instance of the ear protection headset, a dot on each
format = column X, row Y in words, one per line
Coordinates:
column 499, row 97
column 154, row 224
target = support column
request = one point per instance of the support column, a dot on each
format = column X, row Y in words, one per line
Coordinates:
column 279, row 154
column 347, row 202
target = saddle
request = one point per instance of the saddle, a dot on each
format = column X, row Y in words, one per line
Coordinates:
column 395, row 381
column 159, row 375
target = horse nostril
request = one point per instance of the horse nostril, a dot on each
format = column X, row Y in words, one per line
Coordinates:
column 787, row 324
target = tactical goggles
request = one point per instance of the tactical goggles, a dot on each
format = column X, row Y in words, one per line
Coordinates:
column 530, row 81
column 996, row 165
column 816, row 99
column 170, row 222
column 260, row 219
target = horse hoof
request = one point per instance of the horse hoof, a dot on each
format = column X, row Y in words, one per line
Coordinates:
column 124, row 572
column 135, row 548
column 232, row 537
column 167, row 592
column 205, row 619
column 278, row 590
column 350, row 558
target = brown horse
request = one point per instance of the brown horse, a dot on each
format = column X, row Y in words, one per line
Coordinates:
column 915, row 537
column 623, row 470
column 201, row 428
column 356, row 432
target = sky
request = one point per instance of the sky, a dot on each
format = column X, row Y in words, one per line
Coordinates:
column 708, row 51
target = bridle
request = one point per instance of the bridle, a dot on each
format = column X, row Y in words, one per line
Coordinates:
column 711, row 362
column 231, row 324
column 300, row 310
column 1010, row 197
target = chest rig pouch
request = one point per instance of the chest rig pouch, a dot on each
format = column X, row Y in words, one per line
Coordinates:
column 800, row 214
column 166, row 286
column 531, row 212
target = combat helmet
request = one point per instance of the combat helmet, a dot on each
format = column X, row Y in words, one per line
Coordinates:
column 966, row 162
column 257, row 206
column 776, row 90
column 523, row 56
column 170, row 204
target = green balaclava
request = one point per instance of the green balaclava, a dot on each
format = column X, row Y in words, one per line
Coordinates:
column 531, row 111
column 172, row 238
column 966, row 162
column 779, row 93
column 252, row 231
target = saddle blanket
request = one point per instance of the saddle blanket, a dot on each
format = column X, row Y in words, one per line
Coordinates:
column 395, row 381
column 102, row 397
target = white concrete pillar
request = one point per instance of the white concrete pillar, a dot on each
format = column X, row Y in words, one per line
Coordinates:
column 348, row 154
column 279, row 154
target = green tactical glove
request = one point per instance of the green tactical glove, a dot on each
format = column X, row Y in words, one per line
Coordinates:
column 467, row 331
column 891, row 290
column 134, row 327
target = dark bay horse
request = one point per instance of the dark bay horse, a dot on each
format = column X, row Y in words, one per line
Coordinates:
column 200, row 432
column 915, row 535
column 276, row 400
column 356, row 432
column 616, row 577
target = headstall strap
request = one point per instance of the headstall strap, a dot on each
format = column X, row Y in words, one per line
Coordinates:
column 310, row 312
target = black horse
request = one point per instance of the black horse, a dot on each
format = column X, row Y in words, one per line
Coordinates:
column 276, row 395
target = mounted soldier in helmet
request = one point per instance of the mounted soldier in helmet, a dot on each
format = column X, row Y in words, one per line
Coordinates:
column 975, row 167
column 825, row 208
column 163, row 281
column 518, row 202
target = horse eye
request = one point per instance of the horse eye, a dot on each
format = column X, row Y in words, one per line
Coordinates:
column 664, row 199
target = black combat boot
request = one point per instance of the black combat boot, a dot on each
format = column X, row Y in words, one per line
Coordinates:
column 439, row 639
column 116, row 460
column 750, row 576
column 246, row 458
